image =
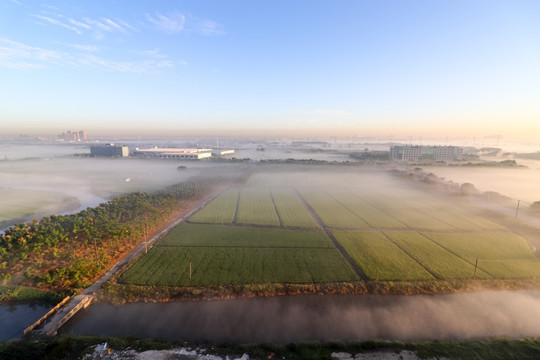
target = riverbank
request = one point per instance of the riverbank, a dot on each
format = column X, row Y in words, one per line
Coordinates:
column 82, row 347
column 118, row 294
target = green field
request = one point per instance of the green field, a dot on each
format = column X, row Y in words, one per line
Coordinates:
column 291, row 210
column 238, row 255
column 330, row 211
column 379, row 258
column 365, row 211
column 221, row 210
column 500, row 254
column 189, row 235
column 437, row 260
column 256, row 207
column 274, row 230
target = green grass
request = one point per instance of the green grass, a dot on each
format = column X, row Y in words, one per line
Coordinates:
column 380, row 258
column 439, row 261
column 501, row 254
column 291, row 210
column 256, row 208
column 221, row 266
column 220, row 210
column 330, row 211
column 239, row 236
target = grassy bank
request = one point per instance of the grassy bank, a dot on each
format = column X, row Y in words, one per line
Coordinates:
column 76, row 347
column 112, row 292
column 25, row 295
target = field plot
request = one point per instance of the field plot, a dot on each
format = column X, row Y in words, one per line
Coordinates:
column 330, row 211
column 380, row 258
column 223, row 266
column 291, row 210
column 502, row 255
column 256, row 208
column 368, row 213
column 406, row 214
column 221, row 210
column 439, row 261
column 189, row 235
column 222, row 255
column 452, row 214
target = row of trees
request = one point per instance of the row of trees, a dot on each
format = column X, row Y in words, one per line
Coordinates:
column 67, row 252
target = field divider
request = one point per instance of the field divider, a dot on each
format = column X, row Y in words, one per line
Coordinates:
column 236, row 208
column 275, row 208
column 411, row 256
column 457, row 255
column 348, row 209
column 336, row 243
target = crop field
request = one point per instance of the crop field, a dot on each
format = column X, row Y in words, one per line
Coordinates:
column 220, row 211
column 238, row 255
column 379, row 258
column 291, row 210
column 330, row 211
column 438, row 261
column 189, row 235
column 274, row 229
column 256, row 207
column 500, row 254
column 365, row 211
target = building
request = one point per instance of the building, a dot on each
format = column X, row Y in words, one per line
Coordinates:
column 72, row 136
column 418, row 152
column 219, row 152
column 109, row 150
column 174, row 153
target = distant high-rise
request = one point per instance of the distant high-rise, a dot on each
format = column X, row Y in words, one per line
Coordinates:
column 72, row 136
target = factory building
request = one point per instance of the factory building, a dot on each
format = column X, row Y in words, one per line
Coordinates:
column 417, row 152
column 109, row 150
column 174, row 153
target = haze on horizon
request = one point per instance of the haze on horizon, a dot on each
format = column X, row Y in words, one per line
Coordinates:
column 403, row 68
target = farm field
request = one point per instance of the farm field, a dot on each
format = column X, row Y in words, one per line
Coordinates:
column 380, row 258
column 438, row 261
column 220, row 211
column 500, row 254
column 238, row 255
column 292, row 228
column 291, row 210
column 256, row 207
column 189, row 235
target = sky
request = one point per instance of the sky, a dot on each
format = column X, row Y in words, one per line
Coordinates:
column 280, row 67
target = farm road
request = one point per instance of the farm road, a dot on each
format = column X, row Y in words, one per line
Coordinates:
column 135, row 252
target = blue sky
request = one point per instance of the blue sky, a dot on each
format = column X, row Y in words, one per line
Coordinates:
column 441, row 68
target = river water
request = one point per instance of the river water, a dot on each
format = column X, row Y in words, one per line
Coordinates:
column 285, row 319
column 14, row 319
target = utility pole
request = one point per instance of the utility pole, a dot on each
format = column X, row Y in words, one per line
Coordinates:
column 146, row 236
column 475, row 267
column 517, row 209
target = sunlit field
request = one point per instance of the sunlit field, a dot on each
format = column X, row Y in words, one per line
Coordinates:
column 368, row 221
